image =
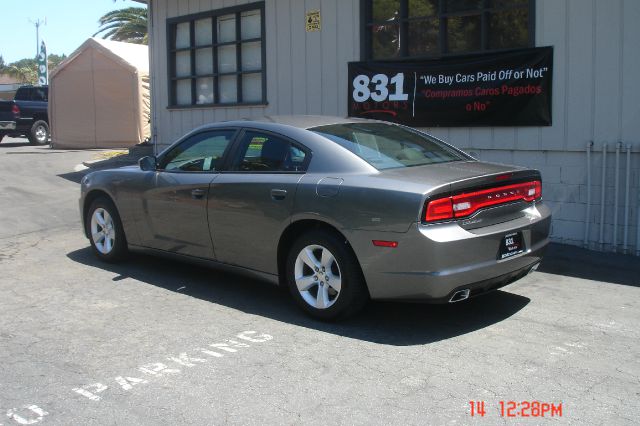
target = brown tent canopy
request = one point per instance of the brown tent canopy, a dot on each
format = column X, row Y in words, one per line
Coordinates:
column 99, row 96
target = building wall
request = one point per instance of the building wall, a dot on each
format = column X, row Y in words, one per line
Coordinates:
column 595, row 97
column 306, row 72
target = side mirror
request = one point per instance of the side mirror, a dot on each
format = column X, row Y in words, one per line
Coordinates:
column 148, row 163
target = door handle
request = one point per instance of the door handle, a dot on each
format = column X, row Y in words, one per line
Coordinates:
column 197, row 193
column 278, row 194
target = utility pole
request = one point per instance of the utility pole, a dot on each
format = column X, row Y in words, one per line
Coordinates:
column 37, row 24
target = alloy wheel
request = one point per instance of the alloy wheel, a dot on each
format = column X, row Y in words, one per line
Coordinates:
column 103, row 231
column 317, row 276
column 41, row 134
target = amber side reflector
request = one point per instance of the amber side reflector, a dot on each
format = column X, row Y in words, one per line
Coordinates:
column 380, row 243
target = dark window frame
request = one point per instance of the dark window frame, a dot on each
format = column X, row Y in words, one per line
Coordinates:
column 214, row 14
column 366, row 22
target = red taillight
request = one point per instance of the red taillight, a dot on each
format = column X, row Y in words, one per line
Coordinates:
column 15, row 110
column 463, row 205
column 440, row 209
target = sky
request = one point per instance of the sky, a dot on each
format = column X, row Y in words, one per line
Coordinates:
column 69, row 24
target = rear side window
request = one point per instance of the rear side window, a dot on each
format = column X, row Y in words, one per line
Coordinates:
column 264, row 152
column 387, row 146
column 39, row 94
column 32, row 94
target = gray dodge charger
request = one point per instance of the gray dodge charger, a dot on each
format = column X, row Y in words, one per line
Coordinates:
column 339, row 210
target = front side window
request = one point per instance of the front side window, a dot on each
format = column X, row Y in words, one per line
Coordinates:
column 396, row 29
column 199, row 153
column 387, row 146
column 217, row 58
column 264, row 152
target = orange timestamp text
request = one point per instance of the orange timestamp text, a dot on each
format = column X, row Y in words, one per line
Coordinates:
column 519, row 409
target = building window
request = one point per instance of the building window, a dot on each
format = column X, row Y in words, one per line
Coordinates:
column 217, row 57
column 396, row 29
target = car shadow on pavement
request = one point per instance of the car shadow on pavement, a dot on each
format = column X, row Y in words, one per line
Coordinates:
column 13, row 144
column 572, row 261
column 399, row 324
column 75, row 177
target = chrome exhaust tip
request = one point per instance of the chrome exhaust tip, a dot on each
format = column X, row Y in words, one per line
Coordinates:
column 460, row 295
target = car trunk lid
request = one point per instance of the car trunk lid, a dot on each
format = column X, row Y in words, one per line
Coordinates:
column 463, row 177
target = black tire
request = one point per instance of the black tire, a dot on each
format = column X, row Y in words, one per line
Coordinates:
column 353, row 294
column 39, row 133
column 118, row 250
column 1, row 136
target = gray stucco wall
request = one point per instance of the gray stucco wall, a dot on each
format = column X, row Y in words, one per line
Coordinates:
column 595, row 96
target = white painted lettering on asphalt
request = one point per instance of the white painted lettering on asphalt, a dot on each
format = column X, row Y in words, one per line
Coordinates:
column 237, row 344
column 127, row 383
column 261, row 338
column 32, row 414
column 208, row 352
column 223, row 346
column 91, row 394
column 157, row 369
column 187, row 361
column 29, row 420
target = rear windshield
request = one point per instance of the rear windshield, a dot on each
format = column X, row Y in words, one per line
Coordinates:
column 387, row 146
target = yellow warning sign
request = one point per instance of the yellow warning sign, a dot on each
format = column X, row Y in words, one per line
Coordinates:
column 312, row 20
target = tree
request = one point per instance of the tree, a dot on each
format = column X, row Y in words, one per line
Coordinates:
column 27, row 74
column 54, row 60
column 26, row 70
column 129, row 24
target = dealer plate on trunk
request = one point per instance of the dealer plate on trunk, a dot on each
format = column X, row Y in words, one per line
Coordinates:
column 8, row 125
column 511, row 245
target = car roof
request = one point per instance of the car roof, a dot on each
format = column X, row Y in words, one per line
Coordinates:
column 309, row 121
column 297, row 121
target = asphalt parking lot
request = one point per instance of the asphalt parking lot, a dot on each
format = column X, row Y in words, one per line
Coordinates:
column 152, row 341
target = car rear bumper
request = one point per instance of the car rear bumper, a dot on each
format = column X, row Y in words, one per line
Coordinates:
column 432, row 262
column 7, row 125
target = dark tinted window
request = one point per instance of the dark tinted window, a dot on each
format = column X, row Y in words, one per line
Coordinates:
column 386, row 146
column 263, row 152
column 39, row 94
column 32, row 94
column 199, row 153
column 423, row 28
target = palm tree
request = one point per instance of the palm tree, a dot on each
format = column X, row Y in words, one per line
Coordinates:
column 129, row 24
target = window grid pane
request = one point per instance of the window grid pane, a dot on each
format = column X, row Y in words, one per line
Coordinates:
column 183, row 92
column 182, row 35
column 228, row 89
column 227, row 58
column 218, row 68
column 203, row 32
column 464, row 33
column 204, row 61
column 250, row 25
column 251, row 56
column 226, row 28
column 204, row 90
column 252, row 87
column 183, row 64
